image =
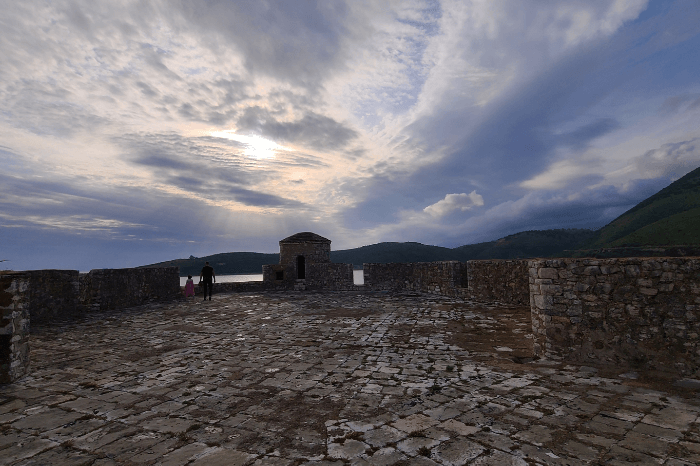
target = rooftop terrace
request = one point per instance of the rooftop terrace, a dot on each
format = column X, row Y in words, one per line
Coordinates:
column 329, row 378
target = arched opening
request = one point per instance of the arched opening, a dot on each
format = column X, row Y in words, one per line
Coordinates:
column 301, row 267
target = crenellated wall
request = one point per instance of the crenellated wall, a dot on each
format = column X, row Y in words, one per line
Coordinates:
column 104, row 289
column 14, row 325
column 503, row 281
column 448, row 277
column 53, row 294
column 639, row 311
column 330, row 276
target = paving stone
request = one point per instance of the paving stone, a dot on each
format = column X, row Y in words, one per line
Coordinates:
column 385, row 434
column 608, row 426
column 349, row 449
column 95, row 440
column 498, row 458
column 184, row 454
column 154, row 452
column 420, row 461
column 163, row 424
column 458, row 427
column 581, row 451
column 412, row 445
column 415, row 423
column 25, row 449
column 502, row 442
column 622, row 456
column 671, row 418
column 457, row 452
column 645, row 443
column 279, row 378
column 386, row 457
column 545, row 456
column 13, row 405
column 59, row 456
column 46, row 420
column 679, row 462
column 74, row 429
column 223, row 457
column 536, row 435
column 273, row 461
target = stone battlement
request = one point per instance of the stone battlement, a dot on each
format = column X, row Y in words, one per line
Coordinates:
column 637, row 311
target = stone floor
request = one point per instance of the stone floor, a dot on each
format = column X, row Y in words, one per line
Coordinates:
column 328, row 378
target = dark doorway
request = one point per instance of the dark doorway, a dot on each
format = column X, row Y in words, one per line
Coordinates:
column 5, row 358
column 301, row 267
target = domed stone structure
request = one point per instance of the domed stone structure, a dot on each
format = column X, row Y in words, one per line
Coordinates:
column 303, row 249
column 305, row 263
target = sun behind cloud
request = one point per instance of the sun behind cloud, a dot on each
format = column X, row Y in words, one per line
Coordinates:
column 256, row 147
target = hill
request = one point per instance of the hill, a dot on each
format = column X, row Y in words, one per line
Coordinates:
column 393, row 252
column 670, row 219
column 528, row 244
column 665, row 224
column 226, row 263
column 547, row 243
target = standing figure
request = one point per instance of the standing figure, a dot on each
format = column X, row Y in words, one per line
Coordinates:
column 205, row 279
column 189, row 287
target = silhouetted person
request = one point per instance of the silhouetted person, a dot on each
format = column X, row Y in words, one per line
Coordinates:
column 205, row 278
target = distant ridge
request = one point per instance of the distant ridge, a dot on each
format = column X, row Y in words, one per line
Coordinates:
column 520, row 245
column 665, row 224
column 226, row 263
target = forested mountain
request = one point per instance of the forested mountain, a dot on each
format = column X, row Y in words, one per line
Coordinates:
column 667, row 223
column 545, row 243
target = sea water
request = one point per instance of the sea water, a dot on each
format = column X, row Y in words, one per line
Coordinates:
column 358, row 278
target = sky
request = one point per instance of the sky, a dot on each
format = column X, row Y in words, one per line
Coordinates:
column 134, row 132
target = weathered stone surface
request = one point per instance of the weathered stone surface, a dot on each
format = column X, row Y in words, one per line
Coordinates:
column 14, row 325
column 53, row 295
column 104, row 289
column 446, row 278
column 618, row 310
column 206, row 383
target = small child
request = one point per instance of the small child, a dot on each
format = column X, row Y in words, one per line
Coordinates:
column 189, row 287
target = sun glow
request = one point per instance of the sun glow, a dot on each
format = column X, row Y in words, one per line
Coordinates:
column 256, row 147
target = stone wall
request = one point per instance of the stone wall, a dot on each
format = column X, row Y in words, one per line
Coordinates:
column 14, row 325
column 313, row 252
column 329, row 276
column 448, row 277
column 53, row 295
column 504, row 281
column 103, row 289
column 639, row 311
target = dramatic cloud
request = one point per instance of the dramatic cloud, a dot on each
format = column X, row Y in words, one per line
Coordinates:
column 133, row 132
column 454, row 202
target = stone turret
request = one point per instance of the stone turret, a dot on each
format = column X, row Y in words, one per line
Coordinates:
column 299, row 251
column 298, row 255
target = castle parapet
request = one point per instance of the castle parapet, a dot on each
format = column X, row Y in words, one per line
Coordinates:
column 14, row 326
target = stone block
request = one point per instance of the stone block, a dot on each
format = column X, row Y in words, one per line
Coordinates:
column 543, row 302
column 547, row 272
column 550, row 289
